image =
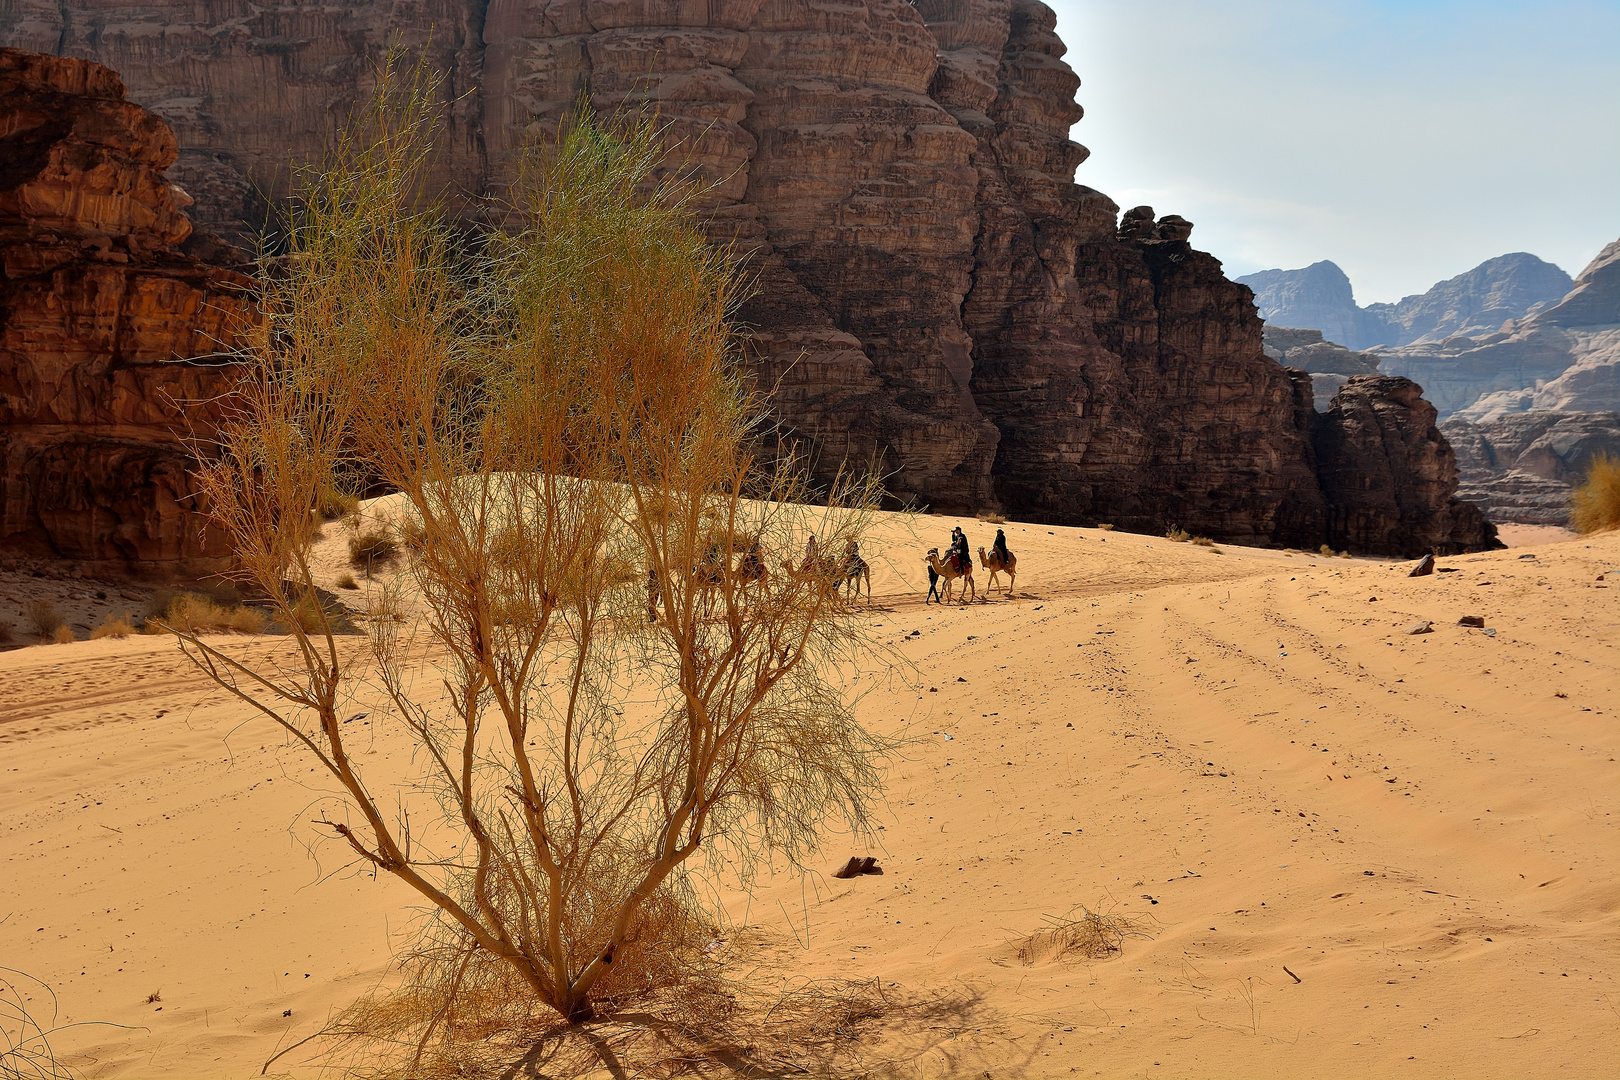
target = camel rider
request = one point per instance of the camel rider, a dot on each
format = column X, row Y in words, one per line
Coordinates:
column 959, row 549
column 1000, row 548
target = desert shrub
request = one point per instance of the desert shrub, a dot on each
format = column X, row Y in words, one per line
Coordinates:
column 1105, row 528
column 44, row 618
column 1178, row 534
column 1326, row 550
column 1595, row 504
column 372, row 549
column 1081, row 934
column 194, row 613
column 113, row 626
column 346, row 581
column 992, row 518
column 1203, row 541
column 572, row 404
column 64, row 636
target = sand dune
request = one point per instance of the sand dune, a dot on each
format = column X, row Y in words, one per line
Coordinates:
column 1241, row 746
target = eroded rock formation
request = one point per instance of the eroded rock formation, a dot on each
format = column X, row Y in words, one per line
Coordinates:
column 937, row 294
column 97, row 303
column 1389, row 475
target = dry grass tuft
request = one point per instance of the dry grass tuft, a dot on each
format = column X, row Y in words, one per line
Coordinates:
column 44, row 618
column 194, row 613
column 347, row 581
column 992, row 518
column 1178, row 534
column 113, row 626
column 64, row 636
column 1203, row 541
column 1105, row 528
column 372, row 549
column 333, row 504
column 1595, row 505
column 1092, row 935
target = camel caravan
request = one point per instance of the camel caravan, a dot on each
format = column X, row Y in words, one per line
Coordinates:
column 949, row 576
column 957, row 566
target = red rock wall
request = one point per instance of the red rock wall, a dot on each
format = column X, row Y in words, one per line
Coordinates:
column 937, row 293
column 106, row 329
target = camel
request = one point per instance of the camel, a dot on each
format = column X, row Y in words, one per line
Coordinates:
column 855, row 572
column 993, row 563
column 946, row 569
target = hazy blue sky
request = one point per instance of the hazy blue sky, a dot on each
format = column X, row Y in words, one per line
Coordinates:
column 1407, row 141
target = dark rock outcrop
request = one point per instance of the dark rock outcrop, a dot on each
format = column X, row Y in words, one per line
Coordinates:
column 937, row 294
column 97, row 303
column 1388, row 474
column 1522, row 466
column 1508, row 287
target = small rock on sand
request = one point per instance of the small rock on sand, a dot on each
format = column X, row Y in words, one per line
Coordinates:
column 1472, row 620
column 1420, row 628
column 1424, row 567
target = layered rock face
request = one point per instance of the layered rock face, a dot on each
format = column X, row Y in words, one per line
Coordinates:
column 97, row 305
column 936, row 295
column 1565, row 357
column 250, row 88
column 1389, row 475
column 1508, row 287
column 1522, row 467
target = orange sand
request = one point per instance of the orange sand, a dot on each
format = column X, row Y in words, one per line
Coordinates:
column 1419, row 827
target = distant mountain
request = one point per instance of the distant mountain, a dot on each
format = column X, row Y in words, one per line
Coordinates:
column 1562, row 358
column 1319, row 297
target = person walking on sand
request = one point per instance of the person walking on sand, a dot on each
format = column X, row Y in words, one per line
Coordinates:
column 809, row 554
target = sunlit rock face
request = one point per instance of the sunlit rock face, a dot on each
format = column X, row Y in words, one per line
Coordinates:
column 109, row 333
column 936, row 294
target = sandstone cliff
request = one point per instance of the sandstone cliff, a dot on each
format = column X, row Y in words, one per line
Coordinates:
column 96, row 305
column 1389, row 475
column 937, row 293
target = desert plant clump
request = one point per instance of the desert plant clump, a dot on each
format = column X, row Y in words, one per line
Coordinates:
column 1203, row 541
column 1177, row 534
column 43, row 617
column 331, row 504
column 346, row 581
column 1081, row 934
column 1105, row 528
column 1595, row 504
column 1326, row 550
column 372, row 549
column 991, row 518
column 195, row 613
column 113, row 626
column 64, row 636
column 571, row 431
